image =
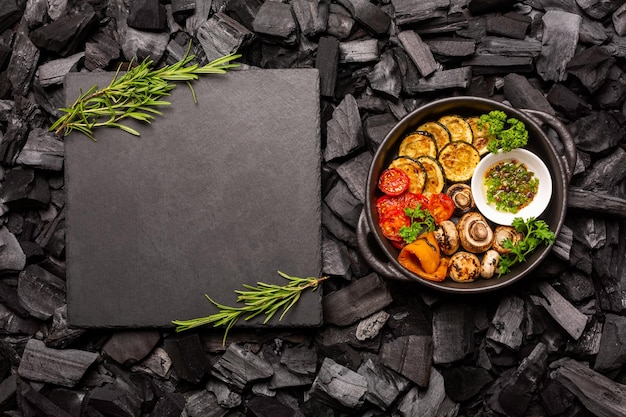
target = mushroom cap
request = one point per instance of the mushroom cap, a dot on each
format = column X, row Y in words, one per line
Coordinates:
column 447, row 237
column 461, row 195
column 464, row 267
column 502, row 233
column 475, row 233
column 489, row 263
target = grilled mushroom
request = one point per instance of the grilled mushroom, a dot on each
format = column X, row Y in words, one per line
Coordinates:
column 489, row 264
column 461, row 195
column 447, row 237
column 474, row 232
column 464, row 267
column 502, row 233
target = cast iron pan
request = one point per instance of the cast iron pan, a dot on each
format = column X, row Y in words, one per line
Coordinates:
column 379, row 252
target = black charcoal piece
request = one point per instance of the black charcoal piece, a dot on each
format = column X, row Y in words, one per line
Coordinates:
column 147, row 15
column 412, row 11
column 239, row 367
column 516, row 389
column 38, row 404
column 507, row 26
column 169, row 404
column 276, row 20
column 445, row 79
column 267, row 407
column 464, row 382
column 358, row 300
column 64, row 35
column 203, row 404
column 344, row 130
column 188, row 359
column 225, row 397
column 383, row 384
column 100, row 50
column 23, row 62
column 410, row 356
column 360, row 50
column 340, row 23
column 203, row 202
column 326, row 62
column 114, row 400
column 560, row 37
column 57, row 366
column 506, row 323
column 369, row 15
column 312, row 16
column 424, row 402
column 354, row 173
column 129, row 347
column 385, row 78
column 12, row 257
column 612, row 350
column 522, row 94
column 561, row 310
column 370, row 327
column 301, row 359
column 9, row 14
column 418, row 51
column 453, row 337
column 220, row 35
column 42, row 150
column 338, row 386
column 40, row 292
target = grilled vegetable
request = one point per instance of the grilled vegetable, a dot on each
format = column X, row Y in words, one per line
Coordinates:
column 464, row 267
column 447, row 237
column 458, row 127
column 458, row 160
column 503, row 233
column 393, row 181
column 435, row 181
column 481, row 134
column 475, row 233
column 414, row 169
column 439, row 132
column 461, row 195
column 489, row 264
column 418, row 144
column 424, row 258
column 441, row 207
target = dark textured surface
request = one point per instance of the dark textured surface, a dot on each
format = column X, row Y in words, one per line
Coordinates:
column 211, row 196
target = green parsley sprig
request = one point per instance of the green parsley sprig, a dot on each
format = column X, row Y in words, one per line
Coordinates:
column 263, row 299
column 135, row 94
column 534, row 233
column 507, row 132
column 421, row 221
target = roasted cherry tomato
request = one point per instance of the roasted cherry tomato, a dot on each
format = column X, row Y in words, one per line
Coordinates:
column 393, row 181
column 441, row 207
column 411, row 200
column 386, row 203
column 391, row 223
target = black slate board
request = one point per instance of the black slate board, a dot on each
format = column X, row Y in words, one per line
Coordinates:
column 210, row 196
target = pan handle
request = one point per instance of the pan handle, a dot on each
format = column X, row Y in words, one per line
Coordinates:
column 566, row 138
column 371, row 252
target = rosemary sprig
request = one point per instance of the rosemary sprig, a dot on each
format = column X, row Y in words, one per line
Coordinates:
column 264, row 298
column 134, row 95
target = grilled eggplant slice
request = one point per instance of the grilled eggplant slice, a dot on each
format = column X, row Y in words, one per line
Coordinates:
column 418, row 144
column 414, row 169
column 458, row 127
column 435, row 181
column 458, row 160
column 481, row 135
column 439, row 132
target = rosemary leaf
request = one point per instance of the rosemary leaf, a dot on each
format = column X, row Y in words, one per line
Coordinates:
column 132, row 94
column 260, row 299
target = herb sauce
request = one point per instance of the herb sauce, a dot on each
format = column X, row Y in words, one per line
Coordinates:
column 510, row 186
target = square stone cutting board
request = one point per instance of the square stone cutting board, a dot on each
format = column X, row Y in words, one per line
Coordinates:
column 210, row 196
